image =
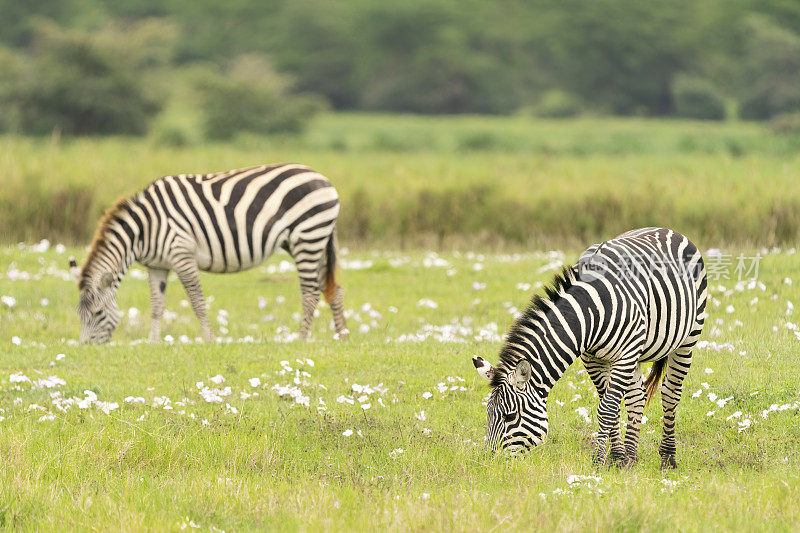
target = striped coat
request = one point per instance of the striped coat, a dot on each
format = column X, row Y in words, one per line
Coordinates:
column 634, row 299
column 223, row 222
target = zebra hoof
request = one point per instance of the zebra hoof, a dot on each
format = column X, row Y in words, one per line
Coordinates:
column 342, row 335
column 668, row 462
column 630, row 461
column 597, row 461
column 617, row 459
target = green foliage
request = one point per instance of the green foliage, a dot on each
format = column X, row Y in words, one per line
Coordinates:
column 697, row 98
column 557, row 104
column 74, row 83
column 171, row 136
column 620, row 55
column 251, row 98
column 478, row 140
column 771, row 71
column 437, row 60
column 325, row 60
column 786, row 124
column 418, row 56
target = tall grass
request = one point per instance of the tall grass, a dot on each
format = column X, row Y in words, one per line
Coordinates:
column 442, row 181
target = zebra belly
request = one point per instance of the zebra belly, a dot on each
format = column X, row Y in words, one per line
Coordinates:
column 159, row 264
column 215, row 264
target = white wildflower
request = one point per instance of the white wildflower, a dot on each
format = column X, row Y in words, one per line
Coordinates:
column 18, row 377
column 426, row 302
column 584, row 413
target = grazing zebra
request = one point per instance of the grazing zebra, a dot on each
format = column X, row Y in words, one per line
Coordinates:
column 223, row 222
column 638, row 298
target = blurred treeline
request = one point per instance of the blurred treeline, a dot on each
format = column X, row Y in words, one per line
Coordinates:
column 101, row 66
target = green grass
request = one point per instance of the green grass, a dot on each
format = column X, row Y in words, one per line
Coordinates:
column 409, row 181
column 278, row 465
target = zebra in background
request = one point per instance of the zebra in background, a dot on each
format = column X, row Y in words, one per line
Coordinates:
column 223, row 222
column 638, row 298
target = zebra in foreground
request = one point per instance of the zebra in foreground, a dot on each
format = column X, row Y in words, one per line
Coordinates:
column 223, row 222
column 638, row 298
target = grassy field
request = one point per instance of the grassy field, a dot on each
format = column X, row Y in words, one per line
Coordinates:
column 443, row 182
column 218, row 436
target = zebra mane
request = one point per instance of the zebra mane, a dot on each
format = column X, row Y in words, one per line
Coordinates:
column 509, row 357
column 99, row 238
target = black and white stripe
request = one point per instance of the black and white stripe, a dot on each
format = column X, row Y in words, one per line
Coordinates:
column 638, row 298
column 223, row 222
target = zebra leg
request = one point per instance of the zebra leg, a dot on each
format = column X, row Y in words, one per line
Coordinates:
column 336, row 302
column 158, row 290
column 677, row 366
column 334, row 294
column 189, row 274
column 309, row 272
column 599, row 372
column 634, row 404
column 619, row 380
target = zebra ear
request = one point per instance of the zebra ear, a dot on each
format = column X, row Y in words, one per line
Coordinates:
column 484, row 368
column 521, row 375
column 74, row 271
column 106, row 280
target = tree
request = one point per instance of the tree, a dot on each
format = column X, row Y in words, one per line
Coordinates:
column 250, row 97
column 73, row 83
column 770, row 74
column 697, row 98
column 618, row 54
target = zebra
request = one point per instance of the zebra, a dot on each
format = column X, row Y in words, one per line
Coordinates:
column 637, row 298
column 221, row 222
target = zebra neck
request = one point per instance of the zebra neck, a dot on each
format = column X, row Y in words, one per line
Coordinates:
column 113, row 251
column 552, row 339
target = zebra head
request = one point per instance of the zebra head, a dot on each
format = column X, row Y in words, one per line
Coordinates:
column 97, row 306
column 516, row 411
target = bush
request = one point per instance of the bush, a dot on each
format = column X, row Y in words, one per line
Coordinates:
column 697, row 98
column 771, row 71
column 254, row 100
column 75, row 84
column 478, row 140
column 786, row 124
column 766, row 101
column 557, row 104
column 172, row 136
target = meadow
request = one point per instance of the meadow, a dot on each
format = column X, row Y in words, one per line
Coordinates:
column 417, row 182
column 384, row 430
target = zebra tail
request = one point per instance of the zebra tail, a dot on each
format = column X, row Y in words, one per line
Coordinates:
column 654, row 378
column 330, row 267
